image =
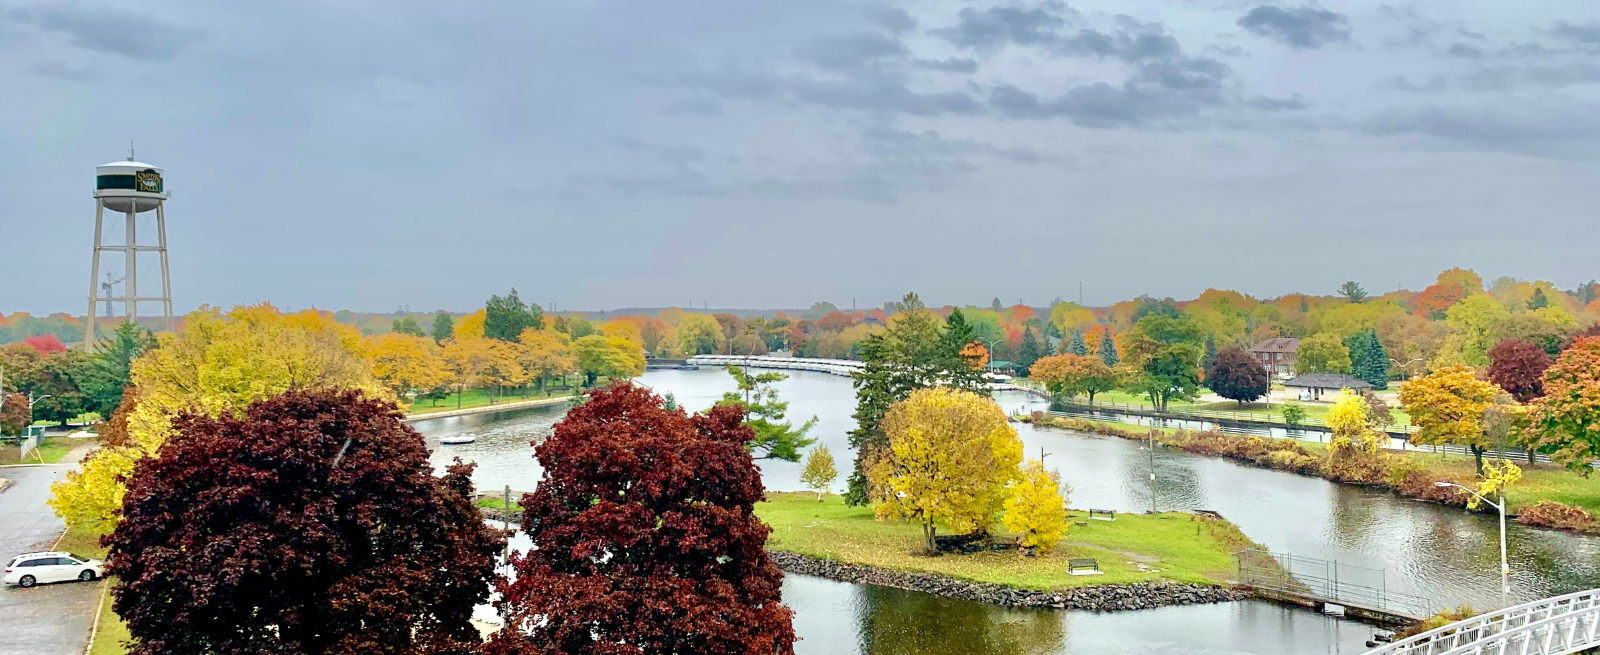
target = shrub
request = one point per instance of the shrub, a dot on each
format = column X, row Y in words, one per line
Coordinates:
column 1561, row 516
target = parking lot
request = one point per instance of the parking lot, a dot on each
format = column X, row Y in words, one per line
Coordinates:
column 49, row 619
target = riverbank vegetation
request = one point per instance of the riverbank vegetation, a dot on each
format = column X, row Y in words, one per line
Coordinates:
column 1170, row 546
column 1547, row 495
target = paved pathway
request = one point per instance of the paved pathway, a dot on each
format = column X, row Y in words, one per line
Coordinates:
column 48, row 619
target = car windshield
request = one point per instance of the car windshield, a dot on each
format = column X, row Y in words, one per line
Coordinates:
column 78, row 558
column 14, row 561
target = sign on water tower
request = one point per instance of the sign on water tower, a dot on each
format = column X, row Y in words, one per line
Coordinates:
column 129, row 188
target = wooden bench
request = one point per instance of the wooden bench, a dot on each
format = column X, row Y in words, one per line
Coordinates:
column 1102, row 515
column 1083, row 566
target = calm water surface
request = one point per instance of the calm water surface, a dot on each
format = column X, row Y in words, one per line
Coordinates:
column 1446, row 555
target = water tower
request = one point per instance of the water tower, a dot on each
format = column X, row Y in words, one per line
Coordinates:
column 129, row 188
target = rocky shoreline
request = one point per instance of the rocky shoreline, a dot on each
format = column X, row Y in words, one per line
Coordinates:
column 1097, row 598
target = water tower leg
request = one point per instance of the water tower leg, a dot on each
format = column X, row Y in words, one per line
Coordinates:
column 94, row 278
column 166, row 277
column 131, row 304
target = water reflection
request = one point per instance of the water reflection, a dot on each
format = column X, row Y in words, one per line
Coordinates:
column 1441, row 553
column 895, row 622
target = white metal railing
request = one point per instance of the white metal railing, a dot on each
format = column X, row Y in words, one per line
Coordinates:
column 1553, row 626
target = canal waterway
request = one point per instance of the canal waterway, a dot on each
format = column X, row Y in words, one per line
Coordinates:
column 1443, row 554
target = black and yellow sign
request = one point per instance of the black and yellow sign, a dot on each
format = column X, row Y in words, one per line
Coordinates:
column 148, row 180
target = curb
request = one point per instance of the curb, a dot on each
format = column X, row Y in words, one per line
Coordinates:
column 99, row 610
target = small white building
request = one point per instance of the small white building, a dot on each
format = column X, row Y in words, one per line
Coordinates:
column 1312, row 386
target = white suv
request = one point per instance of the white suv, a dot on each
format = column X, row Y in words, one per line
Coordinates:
column 29, row 569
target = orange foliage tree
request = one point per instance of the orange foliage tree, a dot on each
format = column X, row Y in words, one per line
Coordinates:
column 1569, row 411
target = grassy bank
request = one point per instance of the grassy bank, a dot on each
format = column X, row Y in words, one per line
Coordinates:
column 1409, row 473
column 478, row 398
column 1134, row 548
column 51, row 450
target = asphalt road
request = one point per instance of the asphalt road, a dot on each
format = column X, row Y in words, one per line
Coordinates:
column 48, row 619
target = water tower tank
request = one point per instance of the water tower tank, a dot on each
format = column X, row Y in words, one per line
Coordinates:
column 129, row 186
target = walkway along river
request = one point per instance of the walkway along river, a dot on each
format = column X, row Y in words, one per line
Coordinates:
column 1443, row 554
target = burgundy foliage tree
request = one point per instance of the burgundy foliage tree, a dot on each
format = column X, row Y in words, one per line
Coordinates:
column 1518, row 367
column 311, row 524
column 646, row 539
column 1237, row 375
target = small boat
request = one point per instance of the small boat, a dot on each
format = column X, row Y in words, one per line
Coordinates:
column 457, row 439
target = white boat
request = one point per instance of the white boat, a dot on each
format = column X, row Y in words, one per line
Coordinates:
column 457, row 439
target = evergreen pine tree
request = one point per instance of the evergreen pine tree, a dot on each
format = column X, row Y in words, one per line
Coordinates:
column 1538, row 300
column 1375, row 362
column 1077, row 346
column 1357, row 345
column 1029, row 353
column 1108, row 349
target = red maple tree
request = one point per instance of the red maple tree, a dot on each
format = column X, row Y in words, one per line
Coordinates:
column 311, row 524
column 645, row 539
column 45, row 344
column 1437, row 298
column 1518, row 367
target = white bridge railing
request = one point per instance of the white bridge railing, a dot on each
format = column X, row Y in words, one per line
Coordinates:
column 1553, row 626
column 844, row 367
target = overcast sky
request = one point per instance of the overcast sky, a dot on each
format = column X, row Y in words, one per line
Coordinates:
column 769, row 154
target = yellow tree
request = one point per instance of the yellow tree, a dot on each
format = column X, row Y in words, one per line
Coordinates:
column 471, row 325
column 545, row 353
column 951, row 456
column 1448, row 406
column 504, row 367
column 614, row 358
column 699, row 334
column 1036, row 510
column 1355, row 445
column 623, row 328
column 468, row 360
column 407, row 364
column 819, row 472
column 220, row 362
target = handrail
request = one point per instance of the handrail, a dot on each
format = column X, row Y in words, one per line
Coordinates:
column 1492, row 628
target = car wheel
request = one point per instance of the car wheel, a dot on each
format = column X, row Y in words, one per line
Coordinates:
column 86, row 576
column 26, row 581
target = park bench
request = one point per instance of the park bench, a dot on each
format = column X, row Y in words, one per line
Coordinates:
column 1103, row 514
column 1083, row 566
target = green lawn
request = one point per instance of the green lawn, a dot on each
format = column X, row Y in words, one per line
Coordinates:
column 1313, row 410
column 1170, row 546
column 477, row 398
column 499, row 502
column 51, row 450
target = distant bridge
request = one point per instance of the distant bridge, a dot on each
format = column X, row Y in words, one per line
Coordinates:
column 1553, row 626
column 841, row 367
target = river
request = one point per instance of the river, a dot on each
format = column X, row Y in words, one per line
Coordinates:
column 1443, row 554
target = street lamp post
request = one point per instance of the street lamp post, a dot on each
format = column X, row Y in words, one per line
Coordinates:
column 1505, row 569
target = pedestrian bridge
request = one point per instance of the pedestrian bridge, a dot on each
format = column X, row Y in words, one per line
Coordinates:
column 843, row 367
column 1553, row 626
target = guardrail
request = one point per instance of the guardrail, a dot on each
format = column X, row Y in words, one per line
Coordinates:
column 1553, row 626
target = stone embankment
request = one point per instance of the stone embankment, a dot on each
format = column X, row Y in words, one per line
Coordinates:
column 1097, row 598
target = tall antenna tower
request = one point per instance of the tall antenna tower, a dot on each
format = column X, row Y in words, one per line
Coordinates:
column 129, row 188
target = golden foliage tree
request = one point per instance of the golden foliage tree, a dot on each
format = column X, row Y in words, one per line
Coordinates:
column 820, row 471
column 1568, row 415
column 407, row 364
column 1495, row 479
column 951, row 456
column 1448, row 406
column 612, row 357
column 545, row 353
column 699, row 334
column 1036, row 509
column 220, row 362
column 471, row 325
column 1356, row 447
column 468, row 359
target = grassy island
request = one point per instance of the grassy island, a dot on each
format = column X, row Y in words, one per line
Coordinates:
column 1170, row 546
